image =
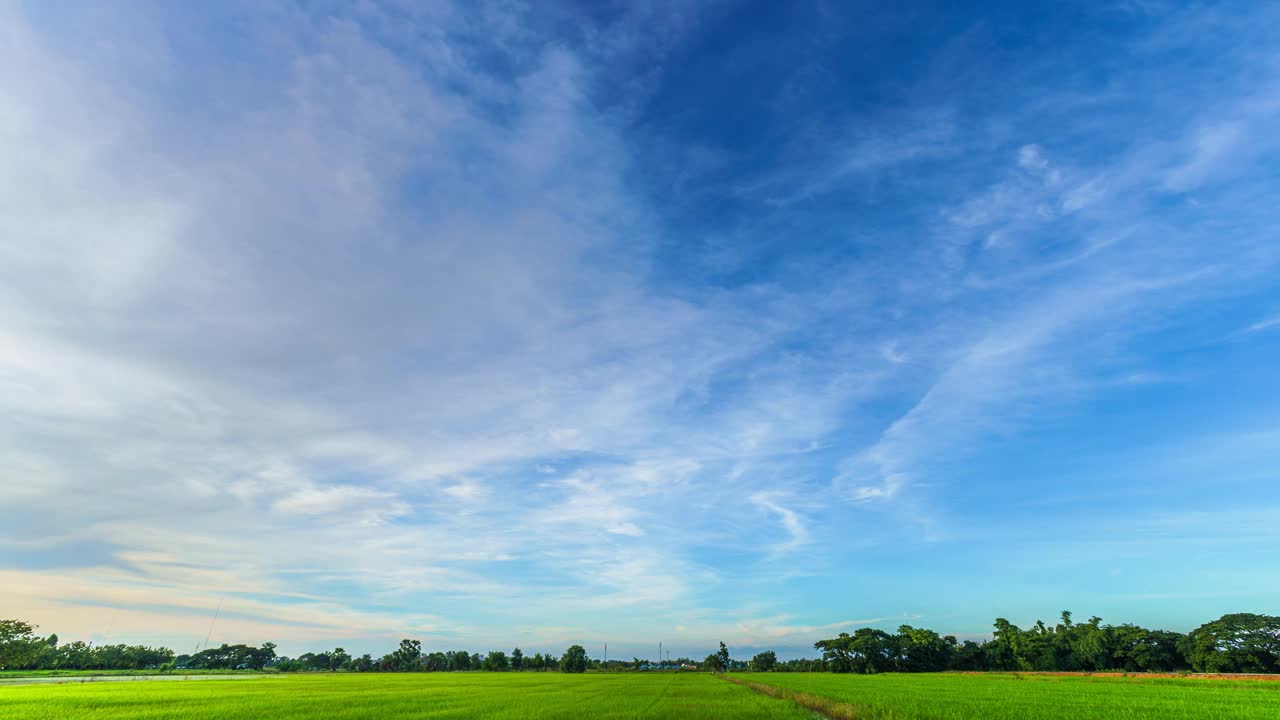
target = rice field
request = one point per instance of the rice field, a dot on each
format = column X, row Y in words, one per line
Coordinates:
column 948, row 696
column 636, row 696
column 509, row 696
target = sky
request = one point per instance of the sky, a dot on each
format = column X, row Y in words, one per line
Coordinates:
column 506, row 324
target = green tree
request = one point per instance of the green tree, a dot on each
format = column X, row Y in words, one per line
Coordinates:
column 867, row 650
column 968, row 656
column 406, row 656
column 496, row 661
column 1239, row 642
column 435, row 662
column 517, row 659
column 19, row 645
column 765, row 661
column 1004, row 652
column 1089, row 645
column 722, row 658
column 836, row 653
column 574, row 660
column 923, row 650
column 1137, row 649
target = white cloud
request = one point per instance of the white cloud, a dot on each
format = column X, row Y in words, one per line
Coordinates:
column 792, row 522
column 1213, row 146
column 381, row 320
column 373, row 506
column 1265, row 324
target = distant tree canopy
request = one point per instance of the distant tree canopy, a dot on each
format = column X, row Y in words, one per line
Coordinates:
column 244, row 657
column 496, row 662
column 765, row 661
column 574, row 660
column 22, row 649
column 18, row 644
column 1236, row 643
column 408, row 655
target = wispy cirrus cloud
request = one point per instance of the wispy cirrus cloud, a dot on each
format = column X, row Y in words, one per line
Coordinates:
column 366, row 311
column 218, row 383
column 1269, row 323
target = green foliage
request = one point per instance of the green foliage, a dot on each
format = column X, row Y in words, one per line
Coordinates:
column 867, row 650
column 765, row 661
column 19, row 645
column 459, row 660
column 496, row 662
column 22, row 649
column 1237, row 643
column 406, row 656
column 922, row 650
column 574, row 660
column 722, row 659
column 1241, row 643
column 237, row 657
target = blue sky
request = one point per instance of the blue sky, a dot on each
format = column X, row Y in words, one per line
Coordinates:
column 501, row 324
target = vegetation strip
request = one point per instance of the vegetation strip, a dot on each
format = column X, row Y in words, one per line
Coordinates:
column 824, row 707
column 66, row 679
column 1234, row 644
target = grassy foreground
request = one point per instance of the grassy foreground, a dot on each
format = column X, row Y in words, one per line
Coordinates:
column 10, row 674
column 1012, row 697
column 634, row 696
column 510, row 696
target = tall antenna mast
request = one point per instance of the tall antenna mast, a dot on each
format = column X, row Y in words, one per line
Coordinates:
column 211, row 622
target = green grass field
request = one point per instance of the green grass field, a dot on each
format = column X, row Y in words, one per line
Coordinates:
column 113, row 673
column 385, row 696
column 1023, row 697
column 643, row 696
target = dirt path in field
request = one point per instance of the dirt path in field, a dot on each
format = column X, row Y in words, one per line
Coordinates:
column 825, row 708
column 60, row 679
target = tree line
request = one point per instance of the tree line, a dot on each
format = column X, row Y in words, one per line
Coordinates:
column 1235, row 643
column 21, row 648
